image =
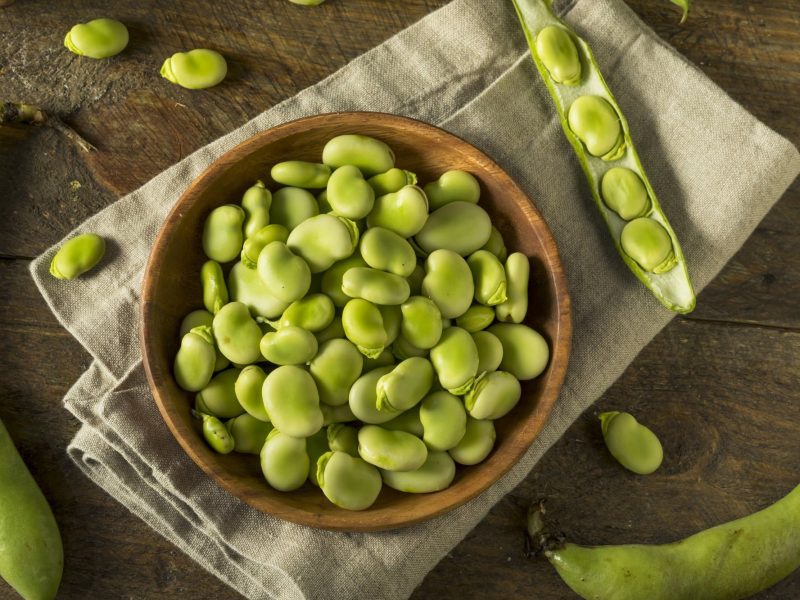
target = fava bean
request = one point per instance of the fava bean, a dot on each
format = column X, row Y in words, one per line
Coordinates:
column 435, row 474
column 343, row 438
column 403, row 349
column 379, row 287
column 247, row 389
column 195, row 70
column 477, row 318
column 489, row 277
column 332, row 278
column 307, row 2
column 323, row 239
column 364, row 397
column 448, row 282
column 336, row 414
column 194, row 362
column 391, row 181
column 415, row 280
column 291, row 206
column 407, row 421
column 222, row 233
column 631, row 443
column 595, row 122
column 292, row 402
column 347, row 481
column 301, row 174
column 349, row 194
column 255, row 203
column 314, row 313
column 216, row 435
column 623, row 192
column 490, row 351
column 77, row 256
column 496, row 245
column 422, row 322
column 518, row 271
column 322, row 202
column 476, row 444
column 237, row 334
column 558, row 53
column 247, row 287
column 453, row 186
column 286, row 275
column 215, row 292
column 363, row 325
column 493, row 395
column 99, row 38
column 391, row 321
column 255, row 243
column 289, row 346
column 333, row 331
column 384, row 359
column 455, row 359
column 385, row 250
column 405, row 385
column 404, row 212
column 284, row 461
column 391, row 450
column 443, row 419
column 335, row 369
column 196, row 318
column 525, row 351
column 371, row 156
column 219, row 396
column 462, row 227
column 649, row 244
column 316, row 446
column 248, row 433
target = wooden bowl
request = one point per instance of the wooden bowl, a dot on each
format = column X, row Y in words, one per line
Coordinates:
column 172, row 288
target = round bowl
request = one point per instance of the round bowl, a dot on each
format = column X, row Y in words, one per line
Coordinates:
column 171, row 289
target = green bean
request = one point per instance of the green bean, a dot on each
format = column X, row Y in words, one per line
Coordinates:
column 391, row 450
column 363, row 325
column 247, row 287
column 32, row 557
column 336, row 414
column 525, row 351
column 335, row 369
column 476, row 444
column 77, row 256
column 422, row 322
column 458, row 226
column 347, row 481
column 477, row 318
column 405, row 385
column 631, row 443
column 343, row 438
column 385, row 250
column 195, row 70
column 415, row 280
column 371, row 156
column 490, row 351
column 434, row 475
column 194, row 362
column 364, row 397
column 291, row 206
column 405, row 212
column 332, row 278
column 222, row 233
column 301, row 174
column 333, row 331
column 349, row 194
column 598, row 131
column 237, row 334
column 489, row 277
column 316, row 446
column 247, row 389
column 558, row 54
column 448, row 282
column 518, row 271
column 216, row 435
column 248, row 433
column 493, row 395
column 443, row 419
column 284, row 461
column 391, row 181
column 453, row 186
column 314, row 313
column 323, row 239
column 407, row 421
column 623, row 192
column 255, row 203
column 99, row 38
column 219, row 396
column 292, row 401
column 289, row 346
column 215, row 292
column 379, row 287
column 286, row 275
column 455, row 359
column 649, row 244
column 496, row 245
column 256, row 242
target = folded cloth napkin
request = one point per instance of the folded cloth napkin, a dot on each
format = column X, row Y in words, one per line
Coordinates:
column 465, row 67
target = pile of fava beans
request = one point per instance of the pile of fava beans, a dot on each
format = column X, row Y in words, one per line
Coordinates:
column 365, row 336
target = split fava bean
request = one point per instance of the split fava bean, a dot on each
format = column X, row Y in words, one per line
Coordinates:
column 322, row 240
column 624, row 192
column 435, row 474
column 405, row 385
column 256, row 242
column 385, row 250
column 448, row 282
column 490, row 351
column 518, row 270
column 596, row 124
column 219, row 396
column 195, row 70
column 459, row 226
column 391, row 181
column 421, row 323
column 292, row 401
column 405, row 212
column 314, row 313
column 391, row 450
column 477, row 318
column 525, row 351
column 476, row 444
column 286, row 275
column 489, row 277
column 379, row 287
column 194, row 362
column 247, row 287
column 247, row 389
column 634, row 445
column 301, row 174
column 77, row 256
column 255, row 203
column 443, row 419
column 99, row 38
column 348, row 481
column 493, row 395
column 222, row 233
column 349, row 194
column 558, row 53
column 284, row 461
column 343, row 438
column 216, row 435
column 363, row 325
column 453, row 186
column 335, row 369
column 369, row 155
column 649, row 244
column 248, row 433
column 455, row 359
column 289, row 346
column 291, row 206
column 237, row 334
column 364, row 397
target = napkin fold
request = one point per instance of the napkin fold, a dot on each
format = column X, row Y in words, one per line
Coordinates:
column 716, row 169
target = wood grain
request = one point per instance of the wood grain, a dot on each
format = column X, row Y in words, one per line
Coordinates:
column 720, row 387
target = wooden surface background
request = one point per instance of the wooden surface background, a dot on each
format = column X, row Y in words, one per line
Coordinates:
column 720, row 387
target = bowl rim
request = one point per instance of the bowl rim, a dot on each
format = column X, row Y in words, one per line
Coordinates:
column 551, row 387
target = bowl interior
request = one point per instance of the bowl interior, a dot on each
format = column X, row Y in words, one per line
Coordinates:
column 172, row 289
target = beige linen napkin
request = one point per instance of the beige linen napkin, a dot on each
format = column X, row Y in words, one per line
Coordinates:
column 466, row 67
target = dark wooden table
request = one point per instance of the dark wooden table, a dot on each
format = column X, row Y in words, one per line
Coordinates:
column 720, row 387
